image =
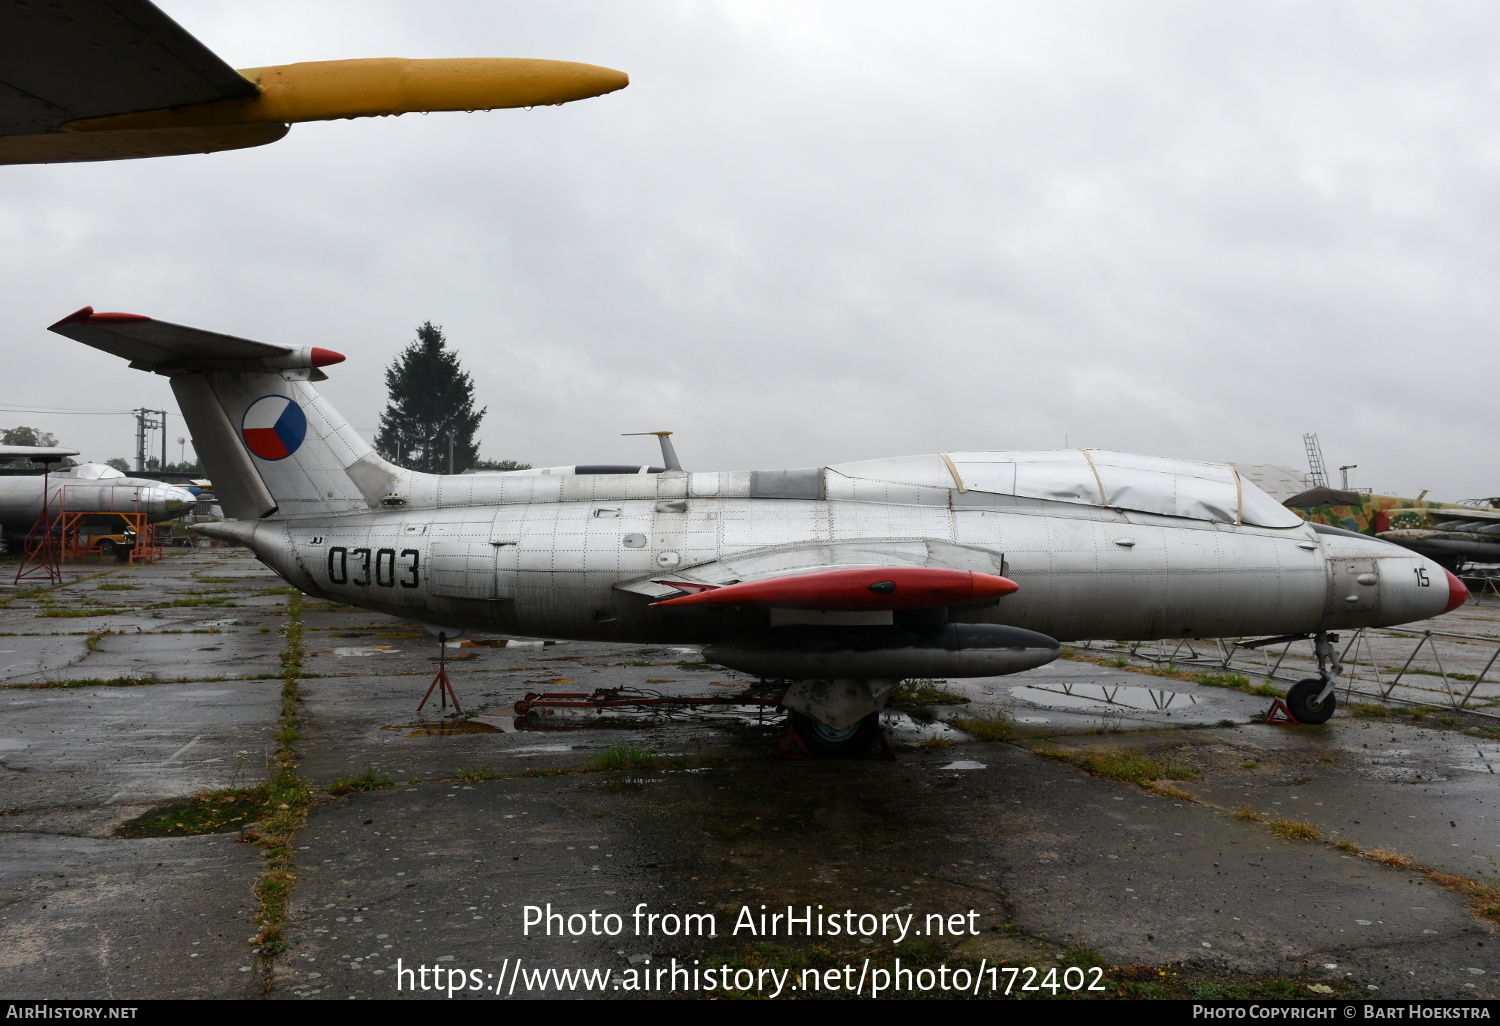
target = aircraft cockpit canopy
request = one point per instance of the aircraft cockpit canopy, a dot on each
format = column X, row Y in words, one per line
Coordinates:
column 1093, row 477
column 90, row 472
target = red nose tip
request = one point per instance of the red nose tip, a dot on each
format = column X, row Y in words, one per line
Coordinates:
column 1457, row 593
column 324, row 357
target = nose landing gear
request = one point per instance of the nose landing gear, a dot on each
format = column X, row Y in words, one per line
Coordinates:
column 1312, row 700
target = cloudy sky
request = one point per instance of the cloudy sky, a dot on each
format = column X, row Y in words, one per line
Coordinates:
column 813, row 232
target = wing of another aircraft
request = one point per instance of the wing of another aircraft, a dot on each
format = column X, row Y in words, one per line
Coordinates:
column 88, row 80
column 39, row 453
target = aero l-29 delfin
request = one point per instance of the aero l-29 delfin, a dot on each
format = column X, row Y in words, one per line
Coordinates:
column 843, row 578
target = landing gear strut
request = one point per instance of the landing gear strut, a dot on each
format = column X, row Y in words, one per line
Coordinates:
column 1312, row 700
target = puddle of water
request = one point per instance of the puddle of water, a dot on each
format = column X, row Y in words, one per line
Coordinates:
column 217, row 623
column 393, row 634
column 963, row 765
column 902, row 729
column 361, row 650
column 445, row 728
column 1069, row 695
column 1032, row 719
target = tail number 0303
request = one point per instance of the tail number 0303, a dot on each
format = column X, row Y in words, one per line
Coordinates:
column 364, row 567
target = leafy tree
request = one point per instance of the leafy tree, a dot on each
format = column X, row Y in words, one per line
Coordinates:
column 500, row 465
column 119, row 464
column 27, row 436
column 430, row 397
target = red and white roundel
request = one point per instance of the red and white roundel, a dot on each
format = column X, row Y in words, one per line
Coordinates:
column 273, row 427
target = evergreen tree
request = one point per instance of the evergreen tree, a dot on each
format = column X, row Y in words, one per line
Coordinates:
column 430, row 396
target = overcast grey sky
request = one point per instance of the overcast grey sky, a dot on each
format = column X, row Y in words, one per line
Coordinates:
column 815, row 232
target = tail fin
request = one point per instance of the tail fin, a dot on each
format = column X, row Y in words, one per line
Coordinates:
column 268, row 439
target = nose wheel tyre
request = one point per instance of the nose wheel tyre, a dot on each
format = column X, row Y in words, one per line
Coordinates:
column 1302, row 700
column 833, row 742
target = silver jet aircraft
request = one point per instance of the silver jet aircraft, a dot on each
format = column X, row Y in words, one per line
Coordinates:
column 843, row 579
column 86, row 488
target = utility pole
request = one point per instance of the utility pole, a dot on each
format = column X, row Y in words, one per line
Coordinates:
column 144, row 422
column 1345, row 471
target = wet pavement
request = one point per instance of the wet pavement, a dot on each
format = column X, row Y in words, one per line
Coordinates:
column 173, row 689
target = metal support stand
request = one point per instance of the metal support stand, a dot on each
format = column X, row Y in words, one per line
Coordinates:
column 43, row 559
column 441, row 681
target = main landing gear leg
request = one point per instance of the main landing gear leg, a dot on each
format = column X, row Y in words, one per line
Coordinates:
column 1313, row 700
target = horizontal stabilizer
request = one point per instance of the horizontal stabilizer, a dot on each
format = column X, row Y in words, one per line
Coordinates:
column 167, row 348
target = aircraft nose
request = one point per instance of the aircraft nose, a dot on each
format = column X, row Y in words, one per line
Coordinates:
column 1458, row 594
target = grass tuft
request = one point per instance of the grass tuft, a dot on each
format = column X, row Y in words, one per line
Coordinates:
column 370, row 780
column 1114, row 764
column 1394, row 859
column 621, row 757
column 925, row 691
column 989, row 728
column 1169, row 791
column 478, row 773
column 1248, row 815
column 1294, row 830
column 1224, row 680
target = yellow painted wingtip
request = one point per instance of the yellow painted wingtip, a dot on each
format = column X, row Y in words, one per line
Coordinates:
column 319, row 91
column 379, row 87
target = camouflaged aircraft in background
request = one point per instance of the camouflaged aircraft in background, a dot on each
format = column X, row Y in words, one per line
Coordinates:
column 1451, row 534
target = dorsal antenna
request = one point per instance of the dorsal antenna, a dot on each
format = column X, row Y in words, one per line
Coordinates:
column 668, row 454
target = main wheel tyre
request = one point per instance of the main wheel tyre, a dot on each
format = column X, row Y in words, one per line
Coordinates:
column 835, row 743
column 1302, row 700
column 107, row 548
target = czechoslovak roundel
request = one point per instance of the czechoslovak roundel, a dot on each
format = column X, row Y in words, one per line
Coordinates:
column 273, row 427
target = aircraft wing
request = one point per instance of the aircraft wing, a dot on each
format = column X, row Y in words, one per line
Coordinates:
column 115, row 79
column 35, row 452
column 852, row 589
column 92, row 58
column 765, row 567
